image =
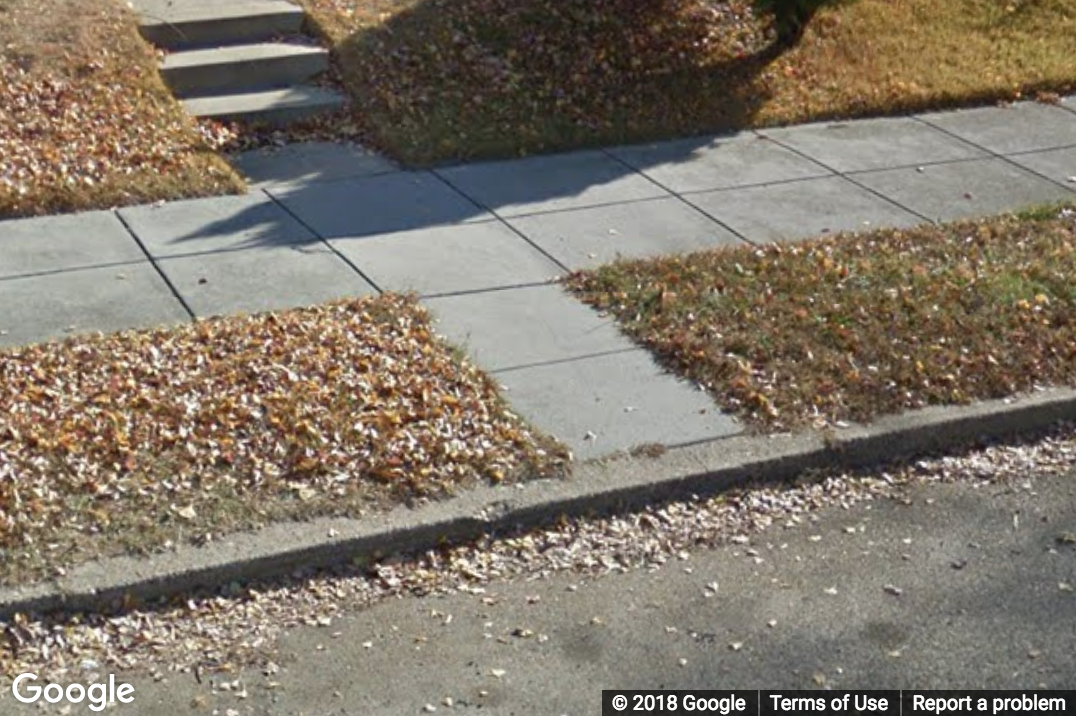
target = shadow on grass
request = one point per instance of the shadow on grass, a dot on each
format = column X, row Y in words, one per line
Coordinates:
column 791, row 18
column 476, row 79
column 492, row 78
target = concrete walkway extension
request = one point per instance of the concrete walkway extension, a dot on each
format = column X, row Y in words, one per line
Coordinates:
column 241, row 60
column 482, row 242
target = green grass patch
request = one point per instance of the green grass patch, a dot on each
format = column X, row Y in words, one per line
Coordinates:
column 856, row 326
column 435, row 80
column 125, row 443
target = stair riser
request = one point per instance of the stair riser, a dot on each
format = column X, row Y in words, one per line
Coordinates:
column 243, row 76
column 208, row 33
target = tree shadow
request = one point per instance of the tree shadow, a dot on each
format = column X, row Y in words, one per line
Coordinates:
column 790, row 19
column 475, row 79
column 442, row 82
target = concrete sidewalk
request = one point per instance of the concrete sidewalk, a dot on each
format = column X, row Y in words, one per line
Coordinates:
column 482, row 242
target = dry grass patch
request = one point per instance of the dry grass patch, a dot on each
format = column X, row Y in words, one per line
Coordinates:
column 443, row 79
column 84, row 119
column 885, row 56
column 120, row 443
column 852, row 327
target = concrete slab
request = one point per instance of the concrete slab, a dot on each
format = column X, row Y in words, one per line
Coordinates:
column 172, row 11
column 945, row 192
column 309, row 162
column 216, row 224
column 585, row 238
column 1056, row 164
column 1069, row 103
column 40, row 308
column 524, row 326
column 801, row 210
column 276, row 107
column 869, row 144
column 1022, row 127
column 60, row 243
column 378, row 204
column 706, row 163
column 265, row 279
column 203, row 23
column 449, row 259
column 237, row 68
column 550, row 183
column 604, row 404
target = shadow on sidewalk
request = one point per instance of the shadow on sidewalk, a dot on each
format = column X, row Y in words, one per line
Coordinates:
column 492, row 78
column 475, row 79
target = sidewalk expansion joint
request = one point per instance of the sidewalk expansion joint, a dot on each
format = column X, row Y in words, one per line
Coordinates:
column 156, row 267
column 680, row 197
column 497, row 217
column 1007, row 158
column 71, row 269
column 849, row 178
column 1030, row 152
column 924, row 165
column 350, row 264
column 563, row 361
column 554, row 280
column 304, row 247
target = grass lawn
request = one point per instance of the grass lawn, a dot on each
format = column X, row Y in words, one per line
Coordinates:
column 126, row 442
column 855, row 326
column 443, row 79
column 85, row 122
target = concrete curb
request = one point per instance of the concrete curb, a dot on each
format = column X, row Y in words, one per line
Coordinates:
column 619, row 483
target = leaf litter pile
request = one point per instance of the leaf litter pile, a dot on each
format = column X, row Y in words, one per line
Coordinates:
column 857, row 326
column 447, row 79
column 129, row 441
column 432, row 79
column 85, row 121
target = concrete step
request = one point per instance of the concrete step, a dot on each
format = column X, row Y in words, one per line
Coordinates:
column 242, row 68
column 181, row 24
column 274, row 107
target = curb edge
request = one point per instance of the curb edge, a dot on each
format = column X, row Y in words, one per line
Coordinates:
column 607, row 484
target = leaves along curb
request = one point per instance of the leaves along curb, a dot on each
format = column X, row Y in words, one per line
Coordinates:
column 613, row 484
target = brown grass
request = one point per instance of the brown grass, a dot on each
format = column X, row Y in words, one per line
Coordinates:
column 85, row 121
column 886, row 56
column 435, row 80
column 853, row 327
column 125, row 442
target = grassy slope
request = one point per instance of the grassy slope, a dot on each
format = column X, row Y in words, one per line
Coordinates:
column 439, row 79
column 880, row 56
column 85, row 121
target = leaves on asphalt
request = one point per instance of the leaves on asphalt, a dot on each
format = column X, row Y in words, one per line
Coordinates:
column 241, row 625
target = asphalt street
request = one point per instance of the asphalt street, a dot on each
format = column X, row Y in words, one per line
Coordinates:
column 964, row 585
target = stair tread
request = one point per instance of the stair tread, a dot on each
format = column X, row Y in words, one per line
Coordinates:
column 263, row 101
column 168, row 12
column 252, row 52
